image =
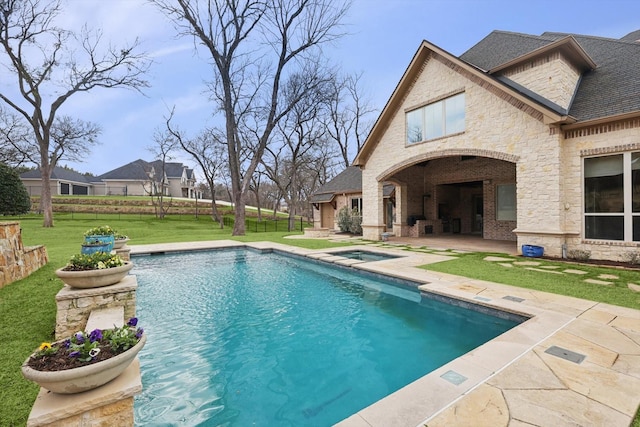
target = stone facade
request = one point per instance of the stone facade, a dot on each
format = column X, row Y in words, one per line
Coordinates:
column 506, row 139
column 75, row 305
column 17, row 261
column 550, row 76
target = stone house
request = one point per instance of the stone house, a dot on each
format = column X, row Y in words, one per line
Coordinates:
column 529, row 138
column 138, row 178
column 345, row 189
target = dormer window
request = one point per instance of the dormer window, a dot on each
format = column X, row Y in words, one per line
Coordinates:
column 435, row 120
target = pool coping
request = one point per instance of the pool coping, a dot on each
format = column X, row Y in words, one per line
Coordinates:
column 440, row 397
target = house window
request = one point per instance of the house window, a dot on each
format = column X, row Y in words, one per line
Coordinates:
column 356, row 203
column 435, row 120
column 506, row 202
column 612, row 197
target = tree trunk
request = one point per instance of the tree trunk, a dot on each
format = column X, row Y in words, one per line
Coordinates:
column 239, row 213
column 46, row 206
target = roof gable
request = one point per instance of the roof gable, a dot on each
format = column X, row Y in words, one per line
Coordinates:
column 520, row 99
column 347, row 181
column 137, row 170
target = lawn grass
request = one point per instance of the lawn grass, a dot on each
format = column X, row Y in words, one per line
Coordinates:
column 473, row 265
column 28, row 309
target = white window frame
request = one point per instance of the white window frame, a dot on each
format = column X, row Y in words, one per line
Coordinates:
column 627, row 186
column 503, row 214
column 440, row 121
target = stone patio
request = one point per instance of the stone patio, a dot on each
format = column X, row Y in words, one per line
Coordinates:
column 512, row 380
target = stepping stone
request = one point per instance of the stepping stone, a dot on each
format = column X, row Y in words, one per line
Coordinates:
column 506, row 264
column 497, row 258
column 459, row 251
column 443, row 253
column 570, row 271
column 634, row 287
column 527, row 263
column 549, row 267
column 598, row 282
column 543, row 271
column 608, row 276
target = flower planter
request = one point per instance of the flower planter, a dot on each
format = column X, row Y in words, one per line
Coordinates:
column 110, row 240
column 119, row 243
column 84, row 378
column 94, row 278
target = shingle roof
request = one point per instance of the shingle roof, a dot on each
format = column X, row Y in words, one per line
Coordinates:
column 138, row 169
column 612, row 88
column 58, row 173
column 347, row 181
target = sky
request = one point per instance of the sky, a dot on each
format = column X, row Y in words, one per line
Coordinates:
column 382, row 37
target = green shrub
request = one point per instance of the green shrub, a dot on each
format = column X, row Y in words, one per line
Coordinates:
column 14, row 198
column 344, row 219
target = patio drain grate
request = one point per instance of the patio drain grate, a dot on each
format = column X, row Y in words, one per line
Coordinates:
column 512, row 298
column 565, row 354
column 453, row 377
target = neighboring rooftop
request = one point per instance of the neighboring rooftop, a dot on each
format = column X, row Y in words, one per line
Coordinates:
column 58, row 173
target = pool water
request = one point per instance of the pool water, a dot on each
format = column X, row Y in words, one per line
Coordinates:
column 239, row 338
column 364, row 255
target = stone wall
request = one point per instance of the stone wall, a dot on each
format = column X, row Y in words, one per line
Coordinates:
column 17, row 261
column 75, row 305
column 551, row 76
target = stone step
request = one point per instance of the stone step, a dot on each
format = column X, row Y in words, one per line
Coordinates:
column 105, row 318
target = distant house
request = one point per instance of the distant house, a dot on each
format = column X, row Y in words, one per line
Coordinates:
column 345, row 189
column 141, row 178
column 528, row 138
column 63, row 182
column 138, row 178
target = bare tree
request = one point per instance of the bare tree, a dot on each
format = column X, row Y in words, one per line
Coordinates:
column 52, row 64
column 298, row 135
column 164, row 146
column 208, row 151
column 254, row 45
column 347, row 122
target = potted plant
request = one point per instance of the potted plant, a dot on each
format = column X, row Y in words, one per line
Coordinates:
column 120, row 240
column 94, row 270
column 91, row 246
column 103, row 233
column 85, row 360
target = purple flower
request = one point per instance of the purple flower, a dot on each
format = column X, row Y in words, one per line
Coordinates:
column 139, row 333
column 133, row 321
column 74, row 354
column 79, row 337
column 67, row 343
column 95, row 335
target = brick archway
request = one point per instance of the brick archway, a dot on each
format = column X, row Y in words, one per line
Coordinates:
column 385, row 175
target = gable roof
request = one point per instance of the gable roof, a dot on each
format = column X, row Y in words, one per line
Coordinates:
column 139, row 169
column 347, row 181
column 57, row 173
column 136, row 170
column 415, row 68
column 610, row 88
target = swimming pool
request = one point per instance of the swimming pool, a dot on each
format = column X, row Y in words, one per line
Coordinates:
column 365, row 255
column 236, row 337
